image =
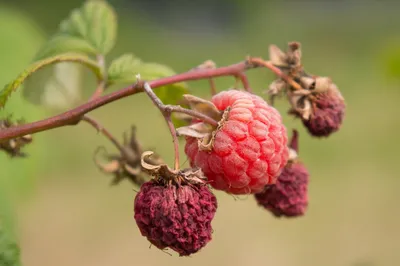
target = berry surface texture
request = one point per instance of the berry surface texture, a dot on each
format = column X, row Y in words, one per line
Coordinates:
column 249, row 148
column 176, row 217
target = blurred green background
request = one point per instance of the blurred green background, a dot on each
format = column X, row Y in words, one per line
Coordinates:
column 67, row 213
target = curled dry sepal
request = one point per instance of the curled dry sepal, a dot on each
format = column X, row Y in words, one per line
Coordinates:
column 13, row 147
column 248, row 148
column 289, row 196
column 175, row 209
column 319, row 104
column 127, row 163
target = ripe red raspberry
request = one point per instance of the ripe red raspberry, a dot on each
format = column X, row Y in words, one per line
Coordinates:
column 327, row 114
column 175, row 216
column 289, row 196
column 249, row 148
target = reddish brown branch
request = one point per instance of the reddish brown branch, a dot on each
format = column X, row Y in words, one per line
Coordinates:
column 72, row 117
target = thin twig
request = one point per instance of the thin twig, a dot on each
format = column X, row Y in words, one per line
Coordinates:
column 243, row 78
column 213, row 88
column 276, row 70
column 192, row 113
column 104, row 131
column 167, row 116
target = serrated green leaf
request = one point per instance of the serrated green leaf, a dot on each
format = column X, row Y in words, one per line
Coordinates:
column 61, row 44
column 95, row 22
column 82, row 59
column 169, row 94
column 123, row 69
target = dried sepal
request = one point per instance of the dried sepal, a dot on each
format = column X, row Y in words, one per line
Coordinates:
column 203, row 106
column 277, row 56
column 203, row 132
column 126, row 164
column 291, row 59
column 163, row 174
column 300, row 105
column 13, row 147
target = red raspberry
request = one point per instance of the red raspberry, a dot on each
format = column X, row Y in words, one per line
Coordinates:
column 327, row 115
column 249, row 148
column 175, row 216
column 289, row 196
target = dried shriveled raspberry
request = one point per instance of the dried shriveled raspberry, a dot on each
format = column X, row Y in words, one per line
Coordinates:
column 318, row 101
column 327, row 114
column 289, row 196
column 248, row 149
column 178, row 217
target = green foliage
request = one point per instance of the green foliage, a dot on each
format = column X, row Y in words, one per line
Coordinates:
column 9, row 249
column 9, row 88
column 16, row 31
column 123, row 69
column 91, row 29
column 60, row 44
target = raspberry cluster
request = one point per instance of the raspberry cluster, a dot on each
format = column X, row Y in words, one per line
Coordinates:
column 244, row 151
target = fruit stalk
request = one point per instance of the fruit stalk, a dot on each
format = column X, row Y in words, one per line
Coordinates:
column 167, row 116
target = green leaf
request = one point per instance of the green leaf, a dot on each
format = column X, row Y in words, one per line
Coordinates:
column 57, row 88
column 169, row 94
column 123, row 69
column 60, row 44
column 9, row 88
column 95, row 22
column 9, row 249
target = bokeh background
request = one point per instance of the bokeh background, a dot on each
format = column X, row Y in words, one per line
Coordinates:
column 69, row 215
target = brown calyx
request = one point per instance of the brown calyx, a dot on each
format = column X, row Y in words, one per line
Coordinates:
column 127, row 163
column 164, row 175
column 13, row 147
column 205, row 133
